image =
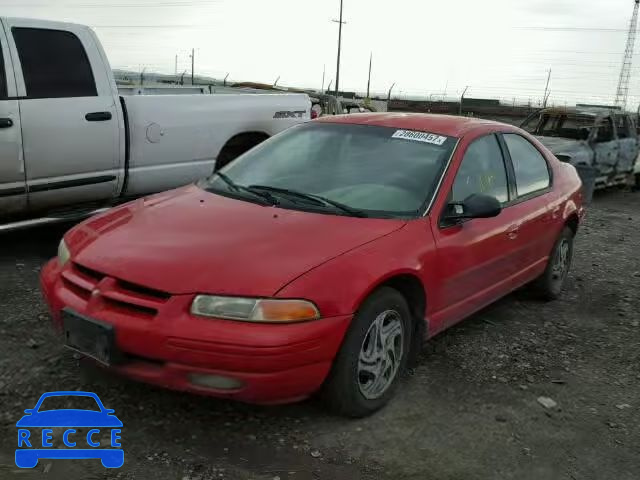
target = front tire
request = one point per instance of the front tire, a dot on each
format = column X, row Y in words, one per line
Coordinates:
column 373, row 356
column 550, row 284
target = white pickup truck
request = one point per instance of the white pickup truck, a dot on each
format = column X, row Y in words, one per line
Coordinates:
column 70, row 143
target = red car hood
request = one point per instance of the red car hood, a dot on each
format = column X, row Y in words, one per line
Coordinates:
column 190, row 240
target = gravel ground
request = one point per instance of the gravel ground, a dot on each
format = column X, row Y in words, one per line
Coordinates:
column 469, row 410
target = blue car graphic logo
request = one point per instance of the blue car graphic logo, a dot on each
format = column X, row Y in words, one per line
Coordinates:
column 32, row 446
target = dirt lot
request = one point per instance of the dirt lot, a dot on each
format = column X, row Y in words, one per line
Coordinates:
column 468, row 410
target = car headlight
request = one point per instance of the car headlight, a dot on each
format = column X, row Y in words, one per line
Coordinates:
column 63, row 253
column 254, row 309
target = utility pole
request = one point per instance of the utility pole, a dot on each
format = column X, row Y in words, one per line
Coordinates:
column 276, row 82
column 622, row 94
column 340, row 23
column 546, row 88
column 142, row 76
column 193, row 59
column 369, row 81
column 329, row 87
column 182, row 78
column 323, row 72
column 224, row 82
column 462, row 98
column 176, row 69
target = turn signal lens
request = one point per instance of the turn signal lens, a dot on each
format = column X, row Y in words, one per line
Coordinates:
column 285, row 311
column 63, row 253
column 254, row 309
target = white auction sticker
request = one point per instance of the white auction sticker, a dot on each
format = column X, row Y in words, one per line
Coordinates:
column 420, row 137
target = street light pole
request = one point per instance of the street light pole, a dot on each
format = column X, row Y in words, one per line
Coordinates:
column 193, row 59
column 369, row 80
column 546, row 88
column 340, row 23
column 462, row 98
column 389, row 94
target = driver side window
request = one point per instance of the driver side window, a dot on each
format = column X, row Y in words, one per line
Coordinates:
column 482, row 171
column 605, row 130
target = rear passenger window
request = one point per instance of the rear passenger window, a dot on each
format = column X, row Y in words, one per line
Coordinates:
column 531, row 169
column 54, row 64
column 482, row 171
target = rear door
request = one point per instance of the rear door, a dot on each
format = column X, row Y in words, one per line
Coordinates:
column 535, row 205
column 13, row 197
column 70, row 127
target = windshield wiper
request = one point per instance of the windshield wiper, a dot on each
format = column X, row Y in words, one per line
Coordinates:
column 310, row 197
column 241, row 188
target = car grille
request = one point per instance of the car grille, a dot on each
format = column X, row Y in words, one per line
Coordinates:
column 113, row 294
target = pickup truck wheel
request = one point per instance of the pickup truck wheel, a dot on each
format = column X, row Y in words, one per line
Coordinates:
column 373, row 356
column 550, row 284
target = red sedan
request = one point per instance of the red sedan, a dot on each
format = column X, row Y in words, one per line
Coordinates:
column 320, row 260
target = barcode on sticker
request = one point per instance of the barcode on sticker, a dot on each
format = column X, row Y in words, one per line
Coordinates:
column 420, row 137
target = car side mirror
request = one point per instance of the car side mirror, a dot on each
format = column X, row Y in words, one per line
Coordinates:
column 474, row 206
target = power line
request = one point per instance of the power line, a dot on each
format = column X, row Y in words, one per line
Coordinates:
column 571, row 29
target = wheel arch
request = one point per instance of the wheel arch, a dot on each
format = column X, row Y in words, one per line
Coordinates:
column 573, row 222
column 238, row 144
column 409, row 285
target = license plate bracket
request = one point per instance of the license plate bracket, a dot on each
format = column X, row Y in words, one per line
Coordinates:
column 89, row 337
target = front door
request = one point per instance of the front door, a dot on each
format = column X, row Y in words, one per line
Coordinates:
column 606, row 148
column 70, row 127
column 476, row 258
column 13, row 193
column 628, row 141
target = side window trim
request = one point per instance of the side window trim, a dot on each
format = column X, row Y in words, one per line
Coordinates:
column 4, row 95
column 543, row 191
column 511, row 173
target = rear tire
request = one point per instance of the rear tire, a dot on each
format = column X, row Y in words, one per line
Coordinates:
column 550, row 284
column 373, row 356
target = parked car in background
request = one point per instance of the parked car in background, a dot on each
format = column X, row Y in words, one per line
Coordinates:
column 69, row 143
column 605, row 140
column 325, row 104
column 319, row 260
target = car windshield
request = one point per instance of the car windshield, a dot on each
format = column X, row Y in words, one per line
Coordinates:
column 370, row 170
column 62, row 402
column 565, row 125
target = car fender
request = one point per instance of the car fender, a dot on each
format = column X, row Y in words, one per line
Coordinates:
column 340, row 285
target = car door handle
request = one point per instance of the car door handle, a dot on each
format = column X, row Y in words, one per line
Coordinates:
column 98, row 116
column 513, row 231
column 6, row 123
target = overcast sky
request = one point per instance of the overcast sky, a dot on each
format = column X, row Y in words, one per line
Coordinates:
column 499, row 48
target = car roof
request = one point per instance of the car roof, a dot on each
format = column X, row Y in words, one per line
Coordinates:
column 447, row 125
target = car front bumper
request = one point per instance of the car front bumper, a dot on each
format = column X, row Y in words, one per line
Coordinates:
column 163, row 344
